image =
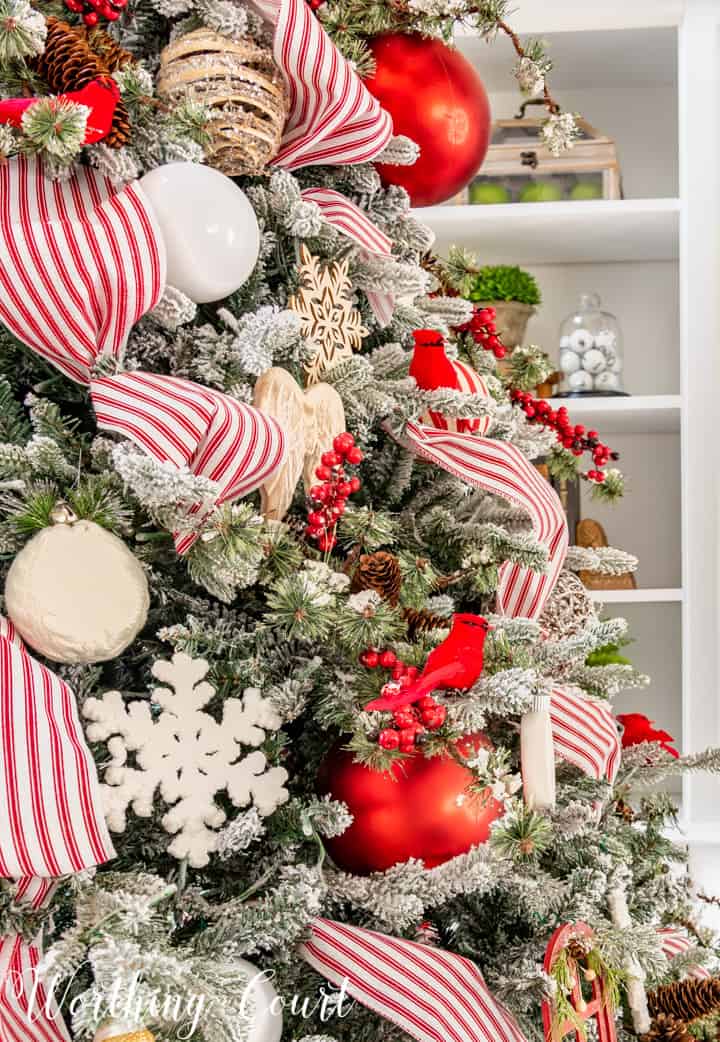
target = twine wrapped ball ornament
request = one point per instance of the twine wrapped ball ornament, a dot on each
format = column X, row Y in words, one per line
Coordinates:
column 241, row 86
column 567, row 610
column 75, row 592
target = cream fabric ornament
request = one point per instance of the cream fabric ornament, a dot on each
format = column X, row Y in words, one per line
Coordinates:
column 311, row 420
column 76, row 593
column 186, row 755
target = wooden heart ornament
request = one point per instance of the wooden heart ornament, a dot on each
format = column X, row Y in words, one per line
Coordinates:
column 310, row 419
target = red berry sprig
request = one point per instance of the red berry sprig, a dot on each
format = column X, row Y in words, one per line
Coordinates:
column 411, row 721
column 484, row 331
column 93, row 10
column 571, row 436
column 330, row 497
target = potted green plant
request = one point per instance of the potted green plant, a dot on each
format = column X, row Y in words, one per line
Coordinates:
column 513, row 293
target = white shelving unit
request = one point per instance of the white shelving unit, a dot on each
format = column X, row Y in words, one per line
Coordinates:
column 646, row 72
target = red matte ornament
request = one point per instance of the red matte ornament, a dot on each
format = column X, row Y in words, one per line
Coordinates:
column 100, row 96
column 420, row 808
column 431, row 369
column 436, row 98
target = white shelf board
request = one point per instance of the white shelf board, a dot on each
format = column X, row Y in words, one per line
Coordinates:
column 596, row 231
column 546, row 16
column 657, row 596
column 636, row 414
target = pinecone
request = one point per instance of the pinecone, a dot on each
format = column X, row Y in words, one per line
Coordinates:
column 108, row 50
column 423, row 621
column 687, row 999
column 666, row 1028
column 68, row 63
column 380, row 572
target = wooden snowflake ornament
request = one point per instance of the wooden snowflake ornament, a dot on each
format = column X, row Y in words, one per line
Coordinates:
column 327, row 315
column 186, row 755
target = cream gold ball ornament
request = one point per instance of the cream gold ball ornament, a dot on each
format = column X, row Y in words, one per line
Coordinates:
column 75, row 593
column 122, row 1031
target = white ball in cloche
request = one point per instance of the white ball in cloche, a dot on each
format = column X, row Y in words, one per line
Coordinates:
column 581, row 340
column 580, row 381
column 605, row 338
column 612, row 358
column 564, row 341
column 607, row 381
column 569, row 361
column 594, row 361
column 75, row 592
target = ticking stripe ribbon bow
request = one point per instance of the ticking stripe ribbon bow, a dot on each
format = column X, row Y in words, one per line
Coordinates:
column 51, row 821
column 333, row 119
column 431, row 994
column 583, row 730
column 80, row 263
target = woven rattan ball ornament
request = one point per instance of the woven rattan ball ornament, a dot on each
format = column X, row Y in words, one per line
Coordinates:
column 241, row 86
column 75, row 592
column 567, row 610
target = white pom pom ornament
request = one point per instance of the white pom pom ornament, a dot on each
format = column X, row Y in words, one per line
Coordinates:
column 76, row 593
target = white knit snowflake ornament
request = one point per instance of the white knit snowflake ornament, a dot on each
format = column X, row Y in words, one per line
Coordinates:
column 185, row 754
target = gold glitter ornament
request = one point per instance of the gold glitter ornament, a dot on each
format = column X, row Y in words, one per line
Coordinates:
column 240, row 85
column 327, row 315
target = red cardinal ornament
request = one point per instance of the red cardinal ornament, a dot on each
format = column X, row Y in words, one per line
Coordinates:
column 100, row 96
column 436, row 98
column 421, row 808
column 431, row 368
column 456, row 663
column 638, row 728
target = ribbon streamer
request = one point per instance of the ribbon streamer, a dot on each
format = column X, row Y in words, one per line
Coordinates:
column 333, row 117
column 500, row 468
column 674, row 941
column 585, row 733
column 431, row 994
column 353, row 222
column 51, row 821
column 80, row 263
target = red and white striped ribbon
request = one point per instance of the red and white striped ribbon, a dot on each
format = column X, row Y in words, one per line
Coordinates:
column 469, row 382
column 585, row 733
column 28, row 1013
column 674, row 941
column 500, row 468
column 51, row 819
column 174, row 420
column 80, row 262
column 350, row 220
column 431, row 994
column 333, row 117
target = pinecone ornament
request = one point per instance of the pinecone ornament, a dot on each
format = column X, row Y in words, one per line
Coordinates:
column 686, row 1000
column 666, row 1028
column 69, row 62
column 422, row 621
column 380, row 572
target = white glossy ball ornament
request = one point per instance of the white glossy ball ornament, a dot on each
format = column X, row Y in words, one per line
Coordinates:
column 594, row 361
column 211, row 234
column 569, row 361
column 580, row 381
column 607, row 381
column 581, row 340
column 261, row 1005
column 76, row 593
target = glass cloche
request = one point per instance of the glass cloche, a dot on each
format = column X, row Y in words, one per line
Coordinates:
column 591, row 355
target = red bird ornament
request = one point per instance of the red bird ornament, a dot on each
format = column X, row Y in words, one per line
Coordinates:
column 456, row 663
column 431, row 368
column 639, row 728
column 100, row 97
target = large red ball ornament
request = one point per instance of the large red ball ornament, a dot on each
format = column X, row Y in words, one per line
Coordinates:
column 436, row 98
column 421, row 808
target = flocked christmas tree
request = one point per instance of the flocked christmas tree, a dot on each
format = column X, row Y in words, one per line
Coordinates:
column 301, row 487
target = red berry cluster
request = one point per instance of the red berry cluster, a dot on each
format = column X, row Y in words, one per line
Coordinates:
column 331, row 496
column 93, row 10
column 411, row 721
column 484, row 331
column 571, row 436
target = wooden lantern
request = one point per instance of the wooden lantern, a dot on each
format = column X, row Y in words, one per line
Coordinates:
column 598, row 1008
column 518, row 158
